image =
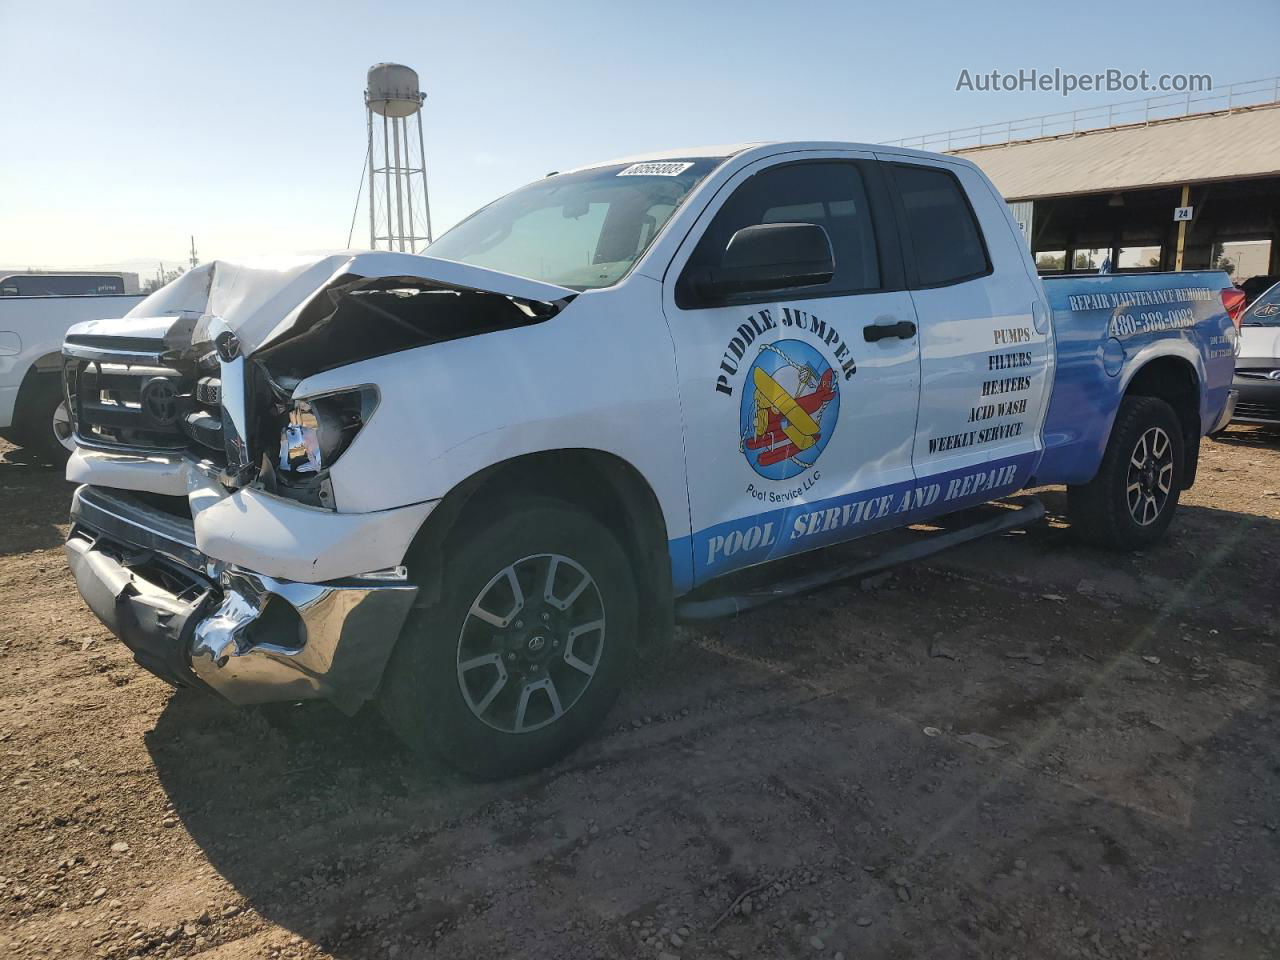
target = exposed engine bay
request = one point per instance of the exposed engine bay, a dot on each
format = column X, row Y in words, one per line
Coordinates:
column 358, row 318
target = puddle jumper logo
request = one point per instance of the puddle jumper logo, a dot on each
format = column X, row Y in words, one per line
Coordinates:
column 790, row 401
column 790, row 392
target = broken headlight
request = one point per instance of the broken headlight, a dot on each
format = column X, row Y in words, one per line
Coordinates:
column 318, row 429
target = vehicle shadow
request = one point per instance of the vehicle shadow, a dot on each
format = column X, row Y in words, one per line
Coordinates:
column 285, row 800
column 34, row 501
column 325, row 826
column 1212, row 563
column 1248, row 435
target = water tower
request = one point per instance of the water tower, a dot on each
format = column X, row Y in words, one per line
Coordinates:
column 399, row 212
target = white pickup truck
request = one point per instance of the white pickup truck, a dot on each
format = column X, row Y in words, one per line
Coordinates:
column 473, row 485
column 32, row 413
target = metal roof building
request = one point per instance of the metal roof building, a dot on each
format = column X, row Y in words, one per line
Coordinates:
column 1196, row 149
column 1103, row 184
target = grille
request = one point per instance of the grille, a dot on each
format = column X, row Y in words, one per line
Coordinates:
column 1260, row 411
column 122, row 396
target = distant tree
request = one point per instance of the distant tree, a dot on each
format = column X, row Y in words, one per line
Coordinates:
column 162, row 279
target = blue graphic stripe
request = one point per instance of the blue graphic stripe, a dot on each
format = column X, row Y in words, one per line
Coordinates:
column 798, row 527
column 1097, row 342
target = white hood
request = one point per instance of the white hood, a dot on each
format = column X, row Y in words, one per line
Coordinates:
column 261, row 299
column 1259, row 343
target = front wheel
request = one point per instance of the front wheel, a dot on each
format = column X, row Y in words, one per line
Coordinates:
column 526, row 649
column 41, row 422
column 1131, row 501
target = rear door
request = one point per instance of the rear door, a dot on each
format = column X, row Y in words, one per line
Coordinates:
column 985, row 341
column 797, row 427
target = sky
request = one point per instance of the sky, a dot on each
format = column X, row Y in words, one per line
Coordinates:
column 129, row 127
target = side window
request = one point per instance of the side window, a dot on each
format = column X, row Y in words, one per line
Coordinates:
column 940, row 226
column 829, row 194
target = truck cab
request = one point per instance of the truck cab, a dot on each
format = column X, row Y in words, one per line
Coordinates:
column 473, row 485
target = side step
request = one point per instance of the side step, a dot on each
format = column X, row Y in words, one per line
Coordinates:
column 695, row 611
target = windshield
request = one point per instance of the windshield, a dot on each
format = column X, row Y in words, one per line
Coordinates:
column 578, row 230
column 1265, row 311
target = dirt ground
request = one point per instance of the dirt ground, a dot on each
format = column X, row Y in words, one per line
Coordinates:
column 1024, row 748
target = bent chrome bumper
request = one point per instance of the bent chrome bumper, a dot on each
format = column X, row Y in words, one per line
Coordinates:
column 195, row 621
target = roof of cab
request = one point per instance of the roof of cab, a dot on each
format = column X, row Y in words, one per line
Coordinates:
column 680, row 153
column 765, row 147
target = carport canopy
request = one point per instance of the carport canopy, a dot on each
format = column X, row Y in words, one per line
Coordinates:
column 1195, row 149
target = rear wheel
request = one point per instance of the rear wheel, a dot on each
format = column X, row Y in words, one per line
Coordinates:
column 1131, row 501
column 525, row 651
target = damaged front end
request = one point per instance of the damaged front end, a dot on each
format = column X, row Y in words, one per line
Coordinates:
column 354, row 319
column 214, row 379
column 195, row 622
column 205, row 533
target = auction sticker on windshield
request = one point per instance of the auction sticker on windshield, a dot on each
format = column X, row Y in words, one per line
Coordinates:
column 664, row 168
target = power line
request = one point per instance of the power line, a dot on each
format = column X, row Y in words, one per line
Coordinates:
column 359, row 190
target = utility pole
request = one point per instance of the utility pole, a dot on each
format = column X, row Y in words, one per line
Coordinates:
column 195, row 261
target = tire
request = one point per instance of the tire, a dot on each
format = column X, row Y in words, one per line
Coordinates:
column 473, row 690
column 1127, row 506
column 40, row 411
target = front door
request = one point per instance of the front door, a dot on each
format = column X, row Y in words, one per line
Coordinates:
column 799, row 405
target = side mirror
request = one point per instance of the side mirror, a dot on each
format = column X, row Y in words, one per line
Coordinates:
column 770, row 256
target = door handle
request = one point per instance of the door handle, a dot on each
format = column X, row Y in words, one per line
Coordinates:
column 902, row 329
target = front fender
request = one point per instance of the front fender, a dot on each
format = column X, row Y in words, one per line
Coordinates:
column 600, row 375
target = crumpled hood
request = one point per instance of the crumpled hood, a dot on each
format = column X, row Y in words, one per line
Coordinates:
column 261, row 299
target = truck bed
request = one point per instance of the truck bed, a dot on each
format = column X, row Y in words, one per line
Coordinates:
column 1108, row 328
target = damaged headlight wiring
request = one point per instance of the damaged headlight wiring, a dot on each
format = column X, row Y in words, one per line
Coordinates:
column 319, row 429
column 315, row 432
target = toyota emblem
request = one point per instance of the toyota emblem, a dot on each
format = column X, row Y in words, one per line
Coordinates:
column 160, row 400
column 1274, row 375
column 228, row 346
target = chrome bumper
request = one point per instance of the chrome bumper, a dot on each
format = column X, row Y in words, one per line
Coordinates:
column 248, row 637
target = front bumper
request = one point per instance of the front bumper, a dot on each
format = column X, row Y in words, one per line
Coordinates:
column 196, row 621
column 1259, row 400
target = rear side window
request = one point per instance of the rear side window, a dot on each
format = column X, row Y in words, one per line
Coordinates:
column 940, row 225
column 830, row 194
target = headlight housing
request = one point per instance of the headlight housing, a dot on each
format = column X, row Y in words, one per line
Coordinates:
column 316, row 432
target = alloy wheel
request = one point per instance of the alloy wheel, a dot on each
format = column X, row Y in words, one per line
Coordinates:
column 531, row 643
column 61, row 425
column 1149, row 481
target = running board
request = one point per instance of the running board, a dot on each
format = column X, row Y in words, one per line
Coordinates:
column 695, row 611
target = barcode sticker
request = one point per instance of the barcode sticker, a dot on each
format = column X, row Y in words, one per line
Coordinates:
column 659, row 168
